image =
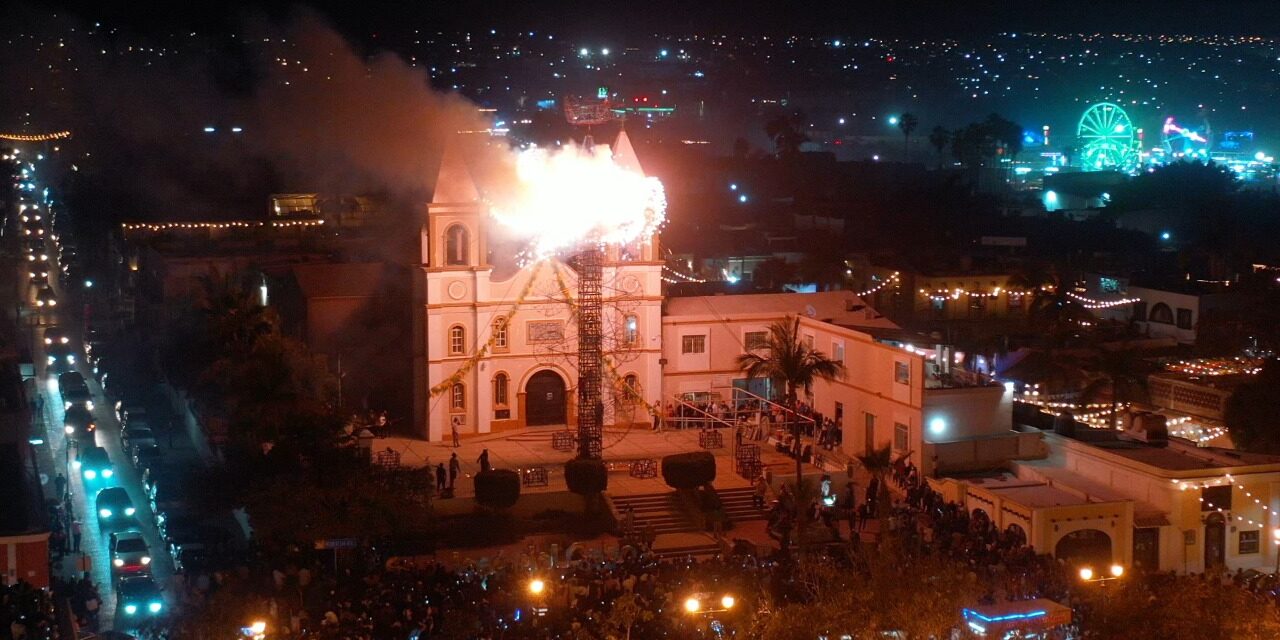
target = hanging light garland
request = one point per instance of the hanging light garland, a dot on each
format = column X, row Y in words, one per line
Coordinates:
column 484, row 349
column 1090, row 303
column 215, row 226
column 684, row 277
column 954, row 294
column 1217, row 366
column 40, row 137
column 893, row 280
column 1226, row 480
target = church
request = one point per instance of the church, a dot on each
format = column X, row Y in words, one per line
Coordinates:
column 495, row 339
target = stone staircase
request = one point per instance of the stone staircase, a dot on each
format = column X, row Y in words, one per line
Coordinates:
column 677, row 537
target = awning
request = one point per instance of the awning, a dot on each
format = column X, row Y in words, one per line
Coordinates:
column 1040, row 613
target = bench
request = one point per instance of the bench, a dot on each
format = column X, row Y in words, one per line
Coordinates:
column 644, row 468
column 564, row 440
column 534, row 476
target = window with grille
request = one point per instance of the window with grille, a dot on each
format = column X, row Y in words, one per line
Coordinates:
column 457, row 340
column 458, row 397
column 500, row 382
column 693, row 344
column 500, row 334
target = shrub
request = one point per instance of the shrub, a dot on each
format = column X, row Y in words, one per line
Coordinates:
column 689, row 470
column 585, row 476
column 497, row 488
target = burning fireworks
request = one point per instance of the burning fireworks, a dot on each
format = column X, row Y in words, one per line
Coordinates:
column 575, row 195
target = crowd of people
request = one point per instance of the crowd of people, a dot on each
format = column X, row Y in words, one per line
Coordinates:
column 26, row 613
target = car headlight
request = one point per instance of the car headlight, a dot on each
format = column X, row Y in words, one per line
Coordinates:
column 90, row 474
column 65, row 340
column 155, row 607
column 104, row 513
column 75, row 464
column 146, row 559
column 128, row 511
column 71, row 359
column 39, row 303
column 53, row 303
column 88, row 404
column 107, row 473
column 66, row 404
column 117, row 562
column 131, row 609
column 68, row 429
column 51, row 360
column 47, row 340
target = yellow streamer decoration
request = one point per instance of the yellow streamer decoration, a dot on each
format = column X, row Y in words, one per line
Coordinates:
column 480, row 353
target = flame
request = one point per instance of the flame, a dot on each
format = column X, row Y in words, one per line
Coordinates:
column 576, row 195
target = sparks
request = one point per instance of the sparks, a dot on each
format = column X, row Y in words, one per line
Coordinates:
column 574, row 195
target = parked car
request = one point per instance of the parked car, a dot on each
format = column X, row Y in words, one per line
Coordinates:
column 131, row 411
column 114, row 507
column 139, row 597
column 130, row 555
column 136, row 433
column 145, row 457
column 78, row 423
column 94, row 463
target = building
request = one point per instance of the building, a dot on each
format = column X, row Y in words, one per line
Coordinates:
column 902, row 397
column 495, row 345
column 1181, row 311
column 1102, row 496
column 24, row 529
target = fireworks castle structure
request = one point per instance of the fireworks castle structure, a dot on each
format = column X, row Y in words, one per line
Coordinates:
column 571, row 338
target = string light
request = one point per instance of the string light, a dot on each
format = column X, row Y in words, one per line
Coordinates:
column 892, row 280
column 954, row 294
column 40, row 137
column 1217, row 366
column 1090, row 303
column 684, row 276
column 204, row 226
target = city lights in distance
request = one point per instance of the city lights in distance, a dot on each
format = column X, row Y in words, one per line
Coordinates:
column 1165, row 235
column 893, row 121
column 742, row 197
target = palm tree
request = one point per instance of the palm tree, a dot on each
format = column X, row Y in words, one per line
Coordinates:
column 790, row 362
column 939, row 138
column 907, row 123
column 878, row 463
column 787, row 132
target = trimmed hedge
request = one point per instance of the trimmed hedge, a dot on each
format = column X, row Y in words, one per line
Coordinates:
column 585, row 476
column 497, row 488
column 689, row 470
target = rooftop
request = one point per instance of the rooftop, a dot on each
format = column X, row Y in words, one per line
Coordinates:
column 1178, row 456
column 841, row 308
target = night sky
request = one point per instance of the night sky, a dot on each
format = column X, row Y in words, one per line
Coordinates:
column 931, row 18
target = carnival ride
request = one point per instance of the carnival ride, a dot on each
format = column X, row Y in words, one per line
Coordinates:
column 1179, row 141
column 1107, row 139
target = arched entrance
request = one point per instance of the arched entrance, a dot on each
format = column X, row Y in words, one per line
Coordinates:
column 544, row 399
column 1016, row 535
column 1215, row 541
column 1086, row 547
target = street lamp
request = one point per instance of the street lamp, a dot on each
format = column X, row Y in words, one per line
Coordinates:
column 536, row 586
column 1087, row 574
column 258, row 630
column 697, row 604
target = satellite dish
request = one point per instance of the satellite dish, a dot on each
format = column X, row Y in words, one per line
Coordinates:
column 810, row 311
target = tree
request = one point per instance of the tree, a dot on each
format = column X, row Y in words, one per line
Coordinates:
column 1121, row 374
column 879, row 463
column 772, row 274
column 884, row 592
column 939, row 138
column 907, row 123
column 786, row 130
column 792, row 363
column 1252, row 409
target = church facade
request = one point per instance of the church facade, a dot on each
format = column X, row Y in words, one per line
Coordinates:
column 496, row 348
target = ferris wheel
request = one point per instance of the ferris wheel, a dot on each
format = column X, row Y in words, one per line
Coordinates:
column 1106, row 138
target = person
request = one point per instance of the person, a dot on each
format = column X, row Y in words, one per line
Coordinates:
column 455, row 467
column 629, row 521
column 441, row 476
column 75, row 536
column 60, row 485
column 457, row 441
column 484, row 460
column 760, row 492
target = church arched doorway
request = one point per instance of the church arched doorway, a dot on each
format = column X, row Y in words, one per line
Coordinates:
column 544, row 399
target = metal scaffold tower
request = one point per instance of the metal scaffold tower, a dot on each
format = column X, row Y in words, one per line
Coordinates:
column 590, row 267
